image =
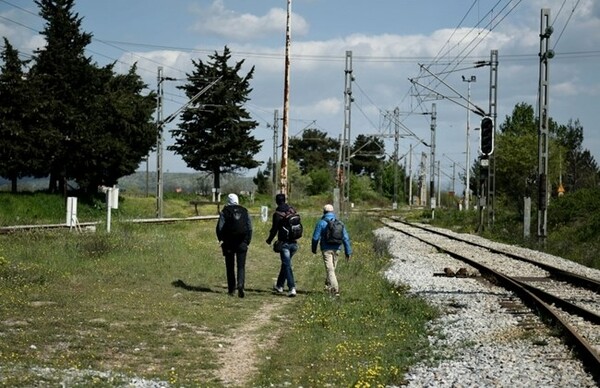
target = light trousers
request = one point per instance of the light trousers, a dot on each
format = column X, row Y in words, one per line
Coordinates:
column 330, row 259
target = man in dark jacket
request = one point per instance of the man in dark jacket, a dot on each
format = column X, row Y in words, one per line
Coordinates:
column 288, row 247
column 234, row 232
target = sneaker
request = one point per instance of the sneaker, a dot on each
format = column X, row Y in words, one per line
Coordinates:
column 292, row 293
column 278, row 290
column 241, row 293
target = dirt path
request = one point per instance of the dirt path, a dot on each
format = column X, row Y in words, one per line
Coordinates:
column 239, row 356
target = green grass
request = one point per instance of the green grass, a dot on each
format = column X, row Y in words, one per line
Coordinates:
column 150, row 300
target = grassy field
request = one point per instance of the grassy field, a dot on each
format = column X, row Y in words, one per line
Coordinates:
column 149, row 301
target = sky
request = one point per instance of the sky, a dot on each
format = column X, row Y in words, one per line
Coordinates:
column 405, row 55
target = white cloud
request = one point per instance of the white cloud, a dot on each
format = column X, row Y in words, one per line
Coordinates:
column 328, row 106
column 565, row 89
column 11, row 28
column 229, row 24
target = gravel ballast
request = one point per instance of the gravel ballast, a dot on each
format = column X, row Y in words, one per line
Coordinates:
column 482, row 338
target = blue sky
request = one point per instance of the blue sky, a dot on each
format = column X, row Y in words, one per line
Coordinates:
column 388, row 39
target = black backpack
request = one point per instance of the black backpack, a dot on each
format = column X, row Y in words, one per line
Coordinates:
column 291, row 225
column 334, row 234
column 236, row 221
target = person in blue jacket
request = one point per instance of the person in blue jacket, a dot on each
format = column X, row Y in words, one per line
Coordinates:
column 330, row 250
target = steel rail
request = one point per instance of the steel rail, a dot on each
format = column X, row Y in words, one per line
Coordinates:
column 589, row 357
column 557, row 273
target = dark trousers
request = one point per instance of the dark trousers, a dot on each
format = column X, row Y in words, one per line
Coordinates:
column 235, row 255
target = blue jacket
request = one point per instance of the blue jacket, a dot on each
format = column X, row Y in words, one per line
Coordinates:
column 319, row 235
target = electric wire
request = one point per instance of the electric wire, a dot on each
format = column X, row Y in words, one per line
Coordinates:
column 566, row 24
column 444, row 52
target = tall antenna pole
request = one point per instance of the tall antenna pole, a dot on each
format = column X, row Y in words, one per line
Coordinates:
column 396, row 154
column 410, row 195
column 347, row 118
column 493, row 113
column 468, row 158
column 275, row 145
column 432, row 161
column 283, row 177
column 159, row 144
column 545, row 54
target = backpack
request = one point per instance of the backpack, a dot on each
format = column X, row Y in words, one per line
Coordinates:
column 334, row 234
column 291, row 225
column 236, row 223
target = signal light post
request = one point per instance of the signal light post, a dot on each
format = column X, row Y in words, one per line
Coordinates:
column 487, row 136
column 486, row 147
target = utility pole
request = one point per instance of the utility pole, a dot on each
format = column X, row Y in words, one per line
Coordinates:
column 275, row 145
column 286, row 104
column 160, row 123
column 432, row 161
column 439, row 173
column 410, row 196
column 468, row 158
column 422, row 177
column 159, row 144
column 493, row 113
column 453, row 176
column 347, row 129
column 396, row 156
column 544, row 85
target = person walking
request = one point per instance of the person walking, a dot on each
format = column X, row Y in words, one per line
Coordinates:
column 234, row 232
column 332, row 234
column 286, row 244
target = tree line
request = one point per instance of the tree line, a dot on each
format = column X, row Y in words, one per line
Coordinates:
column 570, row 165
column 82, row 125
column 572, row 168
column 64, row 117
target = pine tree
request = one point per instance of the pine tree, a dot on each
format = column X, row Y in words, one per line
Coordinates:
column 369, row 153
column 21, row 153
column 65, row 75
column 121, row 127
column 579, row 169
column 97, row 124
column 314, row 151
column 214, row 134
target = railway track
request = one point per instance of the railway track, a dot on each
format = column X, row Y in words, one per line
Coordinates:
column 564, row 299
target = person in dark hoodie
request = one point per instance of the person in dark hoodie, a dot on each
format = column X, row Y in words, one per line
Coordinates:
column 287, row 247
column 234, row 232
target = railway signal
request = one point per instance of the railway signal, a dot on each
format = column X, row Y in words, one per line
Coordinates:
column 487, row 135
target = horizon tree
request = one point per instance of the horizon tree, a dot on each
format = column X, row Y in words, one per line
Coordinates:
column 64, row 73
column 22, row 152
column 580, row 169
column 369, row 154
column 97, row 127
column 314, row 151
column 215, row 132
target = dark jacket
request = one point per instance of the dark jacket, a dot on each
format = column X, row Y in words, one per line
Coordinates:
column 221, row 229
column 276, row 229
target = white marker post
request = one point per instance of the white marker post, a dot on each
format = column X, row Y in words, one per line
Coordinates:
column 72, row 221
column 264, row 213
column 112, row 202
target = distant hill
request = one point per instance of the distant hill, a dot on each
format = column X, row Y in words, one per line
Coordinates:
column 25, row 184
column 142, row 183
